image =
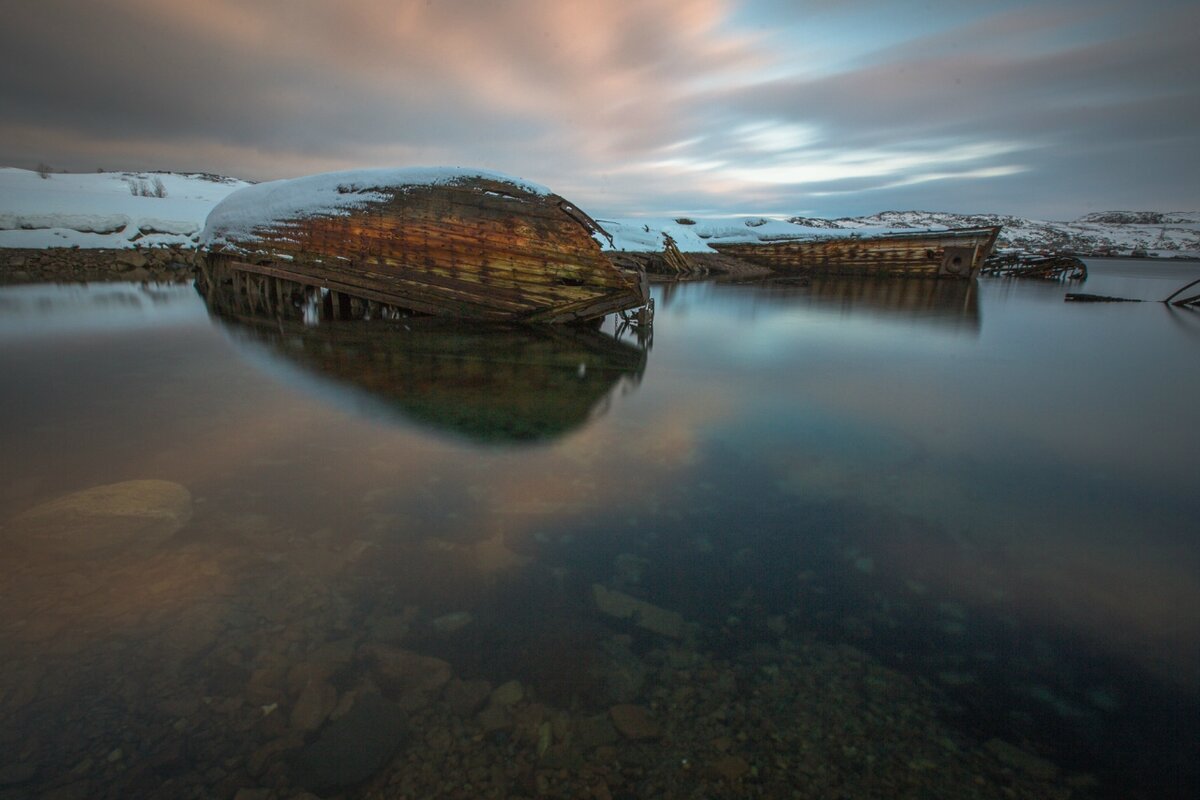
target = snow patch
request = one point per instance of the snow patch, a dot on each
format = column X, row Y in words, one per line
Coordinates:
column 96, row 209
column 645, row 234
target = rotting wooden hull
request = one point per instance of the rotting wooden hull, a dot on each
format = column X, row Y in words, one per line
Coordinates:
column 475, row 249
column 956, row 253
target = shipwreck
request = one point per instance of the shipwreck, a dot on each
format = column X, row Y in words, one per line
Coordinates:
column 953, row 253
column 445, row 242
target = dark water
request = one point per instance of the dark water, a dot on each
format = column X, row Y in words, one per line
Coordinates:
column 980, row 498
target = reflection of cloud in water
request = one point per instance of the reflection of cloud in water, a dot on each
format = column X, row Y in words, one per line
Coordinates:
column 1006, row 471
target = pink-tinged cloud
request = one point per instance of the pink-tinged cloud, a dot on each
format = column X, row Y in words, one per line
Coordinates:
column 782, row 106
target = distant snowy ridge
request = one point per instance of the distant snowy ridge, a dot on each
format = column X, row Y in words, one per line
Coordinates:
column 106, row 209
column 1104, row 233
column 100, row 210
column 1099, row 233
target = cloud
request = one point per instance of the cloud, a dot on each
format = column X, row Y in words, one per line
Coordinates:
column 681, row 104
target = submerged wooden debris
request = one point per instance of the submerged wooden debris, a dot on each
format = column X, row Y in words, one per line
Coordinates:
column 451, row 243
column 1045, row 266
column 1082, row 297
column 669, row 262
column 1191, row 301
column 956, row 253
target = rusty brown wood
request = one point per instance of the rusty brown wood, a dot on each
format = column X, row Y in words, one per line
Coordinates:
column 1045, row 266
column 911, row 254
column 484, row 249
column 674, row 259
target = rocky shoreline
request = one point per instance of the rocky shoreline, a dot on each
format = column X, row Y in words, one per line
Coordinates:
column 95, row 265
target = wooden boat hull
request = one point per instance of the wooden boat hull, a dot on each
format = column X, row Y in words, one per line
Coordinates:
column 957, row 253
column 474, row 248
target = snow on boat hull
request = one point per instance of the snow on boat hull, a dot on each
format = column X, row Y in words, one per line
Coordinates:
column 956, row 253
column 466, row 245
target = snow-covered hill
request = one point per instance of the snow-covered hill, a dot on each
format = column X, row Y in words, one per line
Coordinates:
column 1107, row 233
column 121, row 209
column 106, row 209
column 1101, row 233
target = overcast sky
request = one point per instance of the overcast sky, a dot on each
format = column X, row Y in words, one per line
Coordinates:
column 825, row 107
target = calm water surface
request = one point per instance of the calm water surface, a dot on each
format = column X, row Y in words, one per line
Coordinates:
column 981, row 495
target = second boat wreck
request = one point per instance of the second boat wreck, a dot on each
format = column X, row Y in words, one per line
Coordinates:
column 446, row 242
column 952, row 253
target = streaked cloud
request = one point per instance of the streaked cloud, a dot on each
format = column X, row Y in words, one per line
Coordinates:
column 1052, row 108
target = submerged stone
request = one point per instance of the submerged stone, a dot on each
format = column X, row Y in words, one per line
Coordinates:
column 634, row 722
column 351, row 749
column 412, row 679
column 1034, row 766
column 595, row 731
column 620, row 671
column 455, row 621
column 316, row 702
column 507, row 694
column 644, row 615
column 630, row 568
column 104, row 519
column 731, row 768
column 464, row 698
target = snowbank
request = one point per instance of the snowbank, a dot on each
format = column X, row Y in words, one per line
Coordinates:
column 100, row 209
column 239, row 216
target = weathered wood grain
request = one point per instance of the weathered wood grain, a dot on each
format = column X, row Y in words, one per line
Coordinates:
column 953, row 253
column 479, row 249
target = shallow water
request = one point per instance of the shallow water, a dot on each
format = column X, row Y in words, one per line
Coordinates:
column 988, row 494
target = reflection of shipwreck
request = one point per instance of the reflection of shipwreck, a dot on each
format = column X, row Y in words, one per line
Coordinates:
column 955, row 253
column 492, row 382
column 952, row 304
column 441, row 242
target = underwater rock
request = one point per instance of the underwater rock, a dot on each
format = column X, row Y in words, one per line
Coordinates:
column 730, row 768
column 316, row 702
column 644, row 615
column 494, row 718
column 634, row 722
column 390, row 629
column 449, row 623
column 466, row 697
column 507, row 694
column 412, row 679
column 630, row 568
column 104, row 519
column 620, row 671
column 14, row 774
column 595, row 731
column 1023, row 760
column 350, row 750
